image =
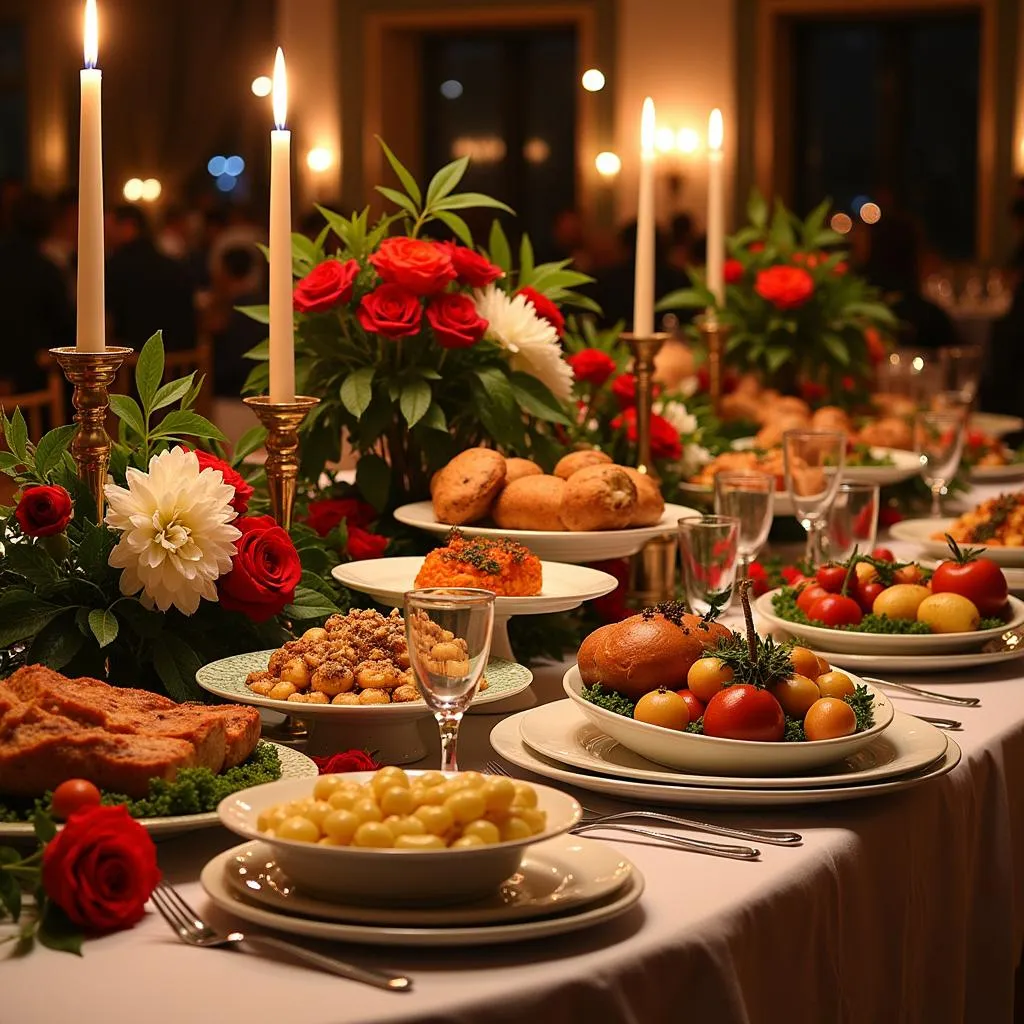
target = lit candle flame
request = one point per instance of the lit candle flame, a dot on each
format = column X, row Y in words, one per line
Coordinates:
column 716, row 131
column 280, row 90
column 92, row 34
column 647, row 130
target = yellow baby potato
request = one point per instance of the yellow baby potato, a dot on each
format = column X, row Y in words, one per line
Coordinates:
column 341, row 826
column 466, row 805
column 397, row 800
column 317, row 811
column 465, row 841
column 486, row 831
column 424, row 842
column 525, row 796
column 429, row 779
column 514, row 828
column 536, row 819
column 435, row 795
column 373, row 834
column 343, row 799
column 436, row 820
column 367, row 810
column 499, row 794
column 299, row 829
column 396, row 776
column 405, row 826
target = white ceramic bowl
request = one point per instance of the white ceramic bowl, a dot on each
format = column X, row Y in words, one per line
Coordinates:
column 823, row 639
column 368, row 876
column 711, row 755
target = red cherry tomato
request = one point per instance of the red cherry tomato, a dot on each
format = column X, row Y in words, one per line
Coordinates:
column 743, row 712
column 693, row 702
column 836, row 610
column 883, row 555
column 832, row 577
column 980, row 580
column 72, row 795
column 866, row 594
column 809, row 596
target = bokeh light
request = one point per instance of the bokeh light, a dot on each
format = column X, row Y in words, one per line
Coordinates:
column 234, row 165
column 593, row 80
column 151, row 189
column 664, row 140
column 687, row 140
column 536, row 151
column 226, row 182
column 262, row 85
column 608, row 164
column 319, row 159
column 132, row 190
column 217, row 165
column 870, row 213
column 841, row 223
column 451, row 89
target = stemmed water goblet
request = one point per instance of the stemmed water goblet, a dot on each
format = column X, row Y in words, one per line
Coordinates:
column 449, row 634
column 939, row 442
column 747, row 497
column 852, row 521
column 709, row 548
column 813, row 461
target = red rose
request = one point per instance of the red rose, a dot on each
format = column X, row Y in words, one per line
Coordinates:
column 544, row 308
column 363, row 544
column 243, row 490
column 471, row 268
column 455, row 320
column 323, row 516
column 101, row 868
column 390, row 310
column 327, row 285
column 423, row 268
column 665, row 442
column 44, row 510
column 624, row 390
column 264, row 572
column 592, row 366
column 875, row 345
column 347, row 761
column 755, row 247
column 733, row 271
column 840, row 268
column 784, row 287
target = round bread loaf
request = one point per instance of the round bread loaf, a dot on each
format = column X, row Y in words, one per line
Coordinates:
column 652, row 649
column 466, row 488
column 575, row 461
column 530, row 503
column 598, row 498
column 516, row 469
column 650, row 505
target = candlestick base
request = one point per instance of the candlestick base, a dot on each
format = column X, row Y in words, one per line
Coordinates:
column 644, row 349
column 713, row 335
column 90, row 375
column 282, row 420
column 652, row 572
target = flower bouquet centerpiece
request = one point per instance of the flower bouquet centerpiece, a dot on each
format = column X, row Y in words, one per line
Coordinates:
column 419, row 347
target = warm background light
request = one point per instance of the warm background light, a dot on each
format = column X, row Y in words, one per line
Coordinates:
column 870, row 213
column 593, row 80
column 647, row 130
column 687, row 140
column 280, row 90
column 262, row 85
column 840, row 223
column 319, row 159
column 664, row 140
column 133, row 189
column 536, row 151
column 151, row 189
column 716, row 132
column 92, row 34
column 608, row 164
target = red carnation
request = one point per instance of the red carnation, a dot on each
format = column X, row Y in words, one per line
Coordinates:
column 327, row 285
column 455, row 320
column 733, row 271
column 624, row 390
column 544, row 308
column 264, row 572
column 324, row 515
column 363, row 544
column 875, row 345
column 391, row 311
column 755, row 247
column 44, row 510
column 665, row 442
column 784, row 287
column 346, row 761
column 592, row 366
column 243, row 490
column 423, row 268
column 471, row 268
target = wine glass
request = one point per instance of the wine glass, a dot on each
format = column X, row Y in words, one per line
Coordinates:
column 813, row 461
column 852, row 521
column 961, row 369
column 449, row 632
column 747, row 497
column 709, row 546
column 939, row 442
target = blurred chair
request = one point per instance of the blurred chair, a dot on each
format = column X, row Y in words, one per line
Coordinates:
column 43, row 410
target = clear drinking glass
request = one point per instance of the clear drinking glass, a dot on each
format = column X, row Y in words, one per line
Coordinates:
column 852, row 521
column 709, row 546
column 449, row 633
column 961, row 369
column 747, row 497
column 813, row 461
column 939, row 442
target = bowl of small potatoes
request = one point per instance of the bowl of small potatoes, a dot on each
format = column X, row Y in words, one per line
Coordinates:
column 399, row 837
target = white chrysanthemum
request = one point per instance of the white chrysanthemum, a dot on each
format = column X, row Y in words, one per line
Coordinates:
column 176, row 532
column 533, row 343
column 694, row 459
column 676, row 414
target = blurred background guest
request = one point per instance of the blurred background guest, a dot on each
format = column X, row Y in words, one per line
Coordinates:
column 233, row 333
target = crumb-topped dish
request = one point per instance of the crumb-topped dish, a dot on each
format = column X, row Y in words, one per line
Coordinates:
column 499, row 565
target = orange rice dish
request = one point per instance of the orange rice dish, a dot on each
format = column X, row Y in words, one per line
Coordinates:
column 502, row 566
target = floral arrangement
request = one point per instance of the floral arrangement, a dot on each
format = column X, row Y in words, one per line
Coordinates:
column 796, row 313
column 92, row 877
column 419, row 348
column 180, row 572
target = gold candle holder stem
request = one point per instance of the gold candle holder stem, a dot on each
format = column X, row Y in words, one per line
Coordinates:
column 282, row 421
column 713, row 335
column 90, row 375
column 644, row 350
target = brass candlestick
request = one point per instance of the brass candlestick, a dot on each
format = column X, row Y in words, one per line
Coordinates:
column 644, row 350
column 713, row 334
column 90, row 375
column 282, row 420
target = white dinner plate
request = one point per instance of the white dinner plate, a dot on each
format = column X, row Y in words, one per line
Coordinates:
column 555, row 876
column 828, row 641
column 904, row 466
column 993, row 474
column 294, row 765
column 563, row 587
column 920, row 532
column 995, row 424
column 561, row 732
column 585, row 916
column 506, row 741
column 574, row 547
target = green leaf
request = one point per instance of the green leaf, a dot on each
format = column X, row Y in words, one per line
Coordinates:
column 51, row 448
column 778, row 356
column 445, row 180
column 685, row 298
column 56, row 644
column 258, row 380
column 251, row 441
column 10, row 888
column 399, row 199
column 407, row 180
column 757, row 210
column 43, row 826
column 32, row 562
column 261, row 314
column 357, row 391
column 309, row 604
column 127, row 410
column 146, row 623
column 103, row 624
column 304, row 254
column 373, row 478
column 94, row 549
column 499, row 251
column 536, row 399
column 22, row 615
column 837, row 348
column 526, row 261
column 177, row 664
column 497, row 406
column 17, row 437
column 415, row 401
column 260, row 352
column 434, row 418
column 470, row 201
column 581, row 302
column 456, row 225
column 56, row 932
column 149, row 370
column 185, row 423
column 173, row 392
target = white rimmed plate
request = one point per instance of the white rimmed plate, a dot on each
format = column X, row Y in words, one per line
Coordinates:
column 716, row 756
column 576, row 548
column 561, row 732
column 993, row 474
column 832, row 640
column 995, row 423
column 920, row 532
column 563, row 587
column 904, row 465
column 554, row 877
column 294, row 765
column 585, row 916
column 506, row 741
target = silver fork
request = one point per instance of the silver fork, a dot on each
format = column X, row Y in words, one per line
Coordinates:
column 194, row 931
column 942, row 698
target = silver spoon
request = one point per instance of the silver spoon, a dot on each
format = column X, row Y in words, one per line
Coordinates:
column 942, row 698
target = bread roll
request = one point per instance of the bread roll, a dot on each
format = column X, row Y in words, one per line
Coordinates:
column 652, row 649
column 466, row 488
column 530, row 503
column 575, row 461
column 650, row 505
column 598, row 498
column 515, row 469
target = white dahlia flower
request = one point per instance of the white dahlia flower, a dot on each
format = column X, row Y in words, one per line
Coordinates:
column 676, row 414
column 176, row 532
column 531, row 341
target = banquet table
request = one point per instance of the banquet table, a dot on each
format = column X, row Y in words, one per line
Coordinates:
column 902, row 908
